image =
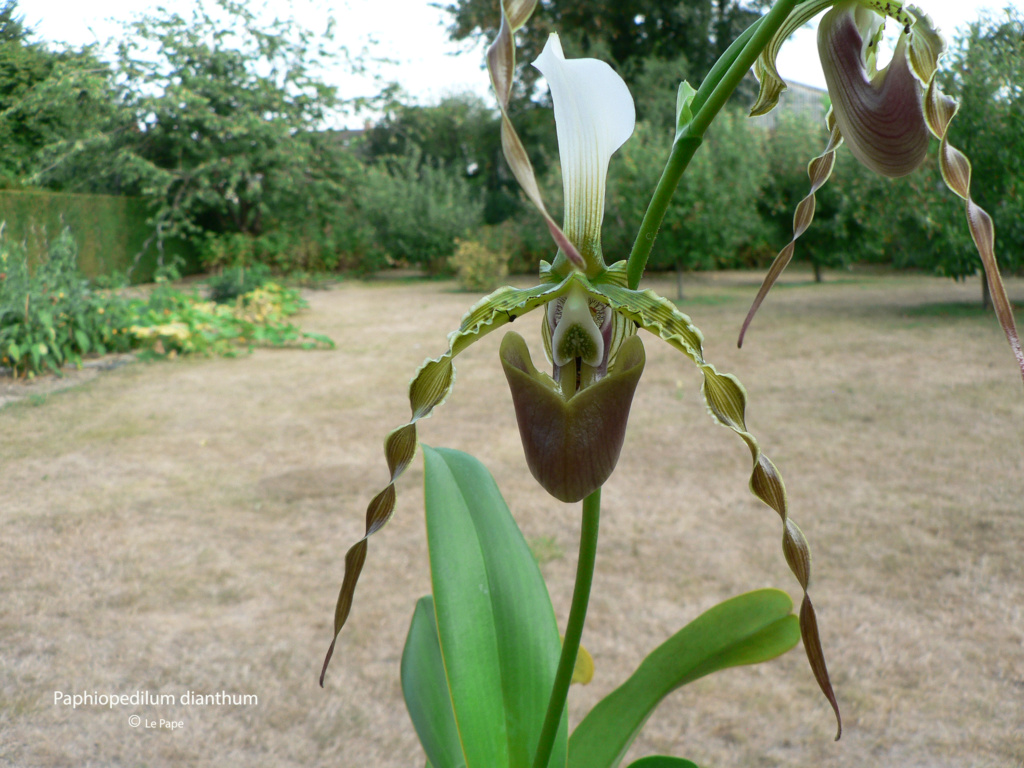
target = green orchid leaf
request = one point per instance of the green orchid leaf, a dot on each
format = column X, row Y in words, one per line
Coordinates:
column 662, row 761
column 748, row 629
column 429, row 388
column 497, row 630
column 426, row 690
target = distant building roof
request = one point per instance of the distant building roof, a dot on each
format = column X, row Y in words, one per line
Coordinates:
column 344, row 136
column 802, row 99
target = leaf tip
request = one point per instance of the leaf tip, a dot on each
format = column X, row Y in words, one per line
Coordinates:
column 327, row 660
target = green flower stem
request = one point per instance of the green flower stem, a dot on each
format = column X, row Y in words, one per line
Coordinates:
column 682, row 152
column 712, row 95
column 721, row 91
column 574, row 628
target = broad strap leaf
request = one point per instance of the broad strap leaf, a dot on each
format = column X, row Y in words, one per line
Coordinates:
column 748, row 629
column 495, row 623
column 662, row 761
column 426, row 690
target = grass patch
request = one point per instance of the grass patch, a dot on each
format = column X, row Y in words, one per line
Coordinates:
column 135, row 555
column 705, row 300
column 957, row 310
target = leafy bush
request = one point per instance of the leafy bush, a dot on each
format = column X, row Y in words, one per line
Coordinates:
column 477, row 267
column 174, row 323
column 227, row 250
column 419, row 211
column 237, row 281
column 51, row 317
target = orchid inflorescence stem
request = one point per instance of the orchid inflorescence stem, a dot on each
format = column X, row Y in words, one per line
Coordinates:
column 708, row 101
column 574, row 627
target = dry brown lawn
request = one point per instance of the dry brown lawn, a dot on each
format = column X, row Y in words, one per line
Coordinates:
column 181, row 526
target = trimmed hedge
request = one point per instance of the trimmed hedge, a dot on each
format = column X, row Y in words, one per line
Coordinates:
column 109, row 231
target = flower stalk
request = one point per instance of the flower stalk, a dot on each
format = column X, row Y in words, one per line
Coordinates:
column 708, row 101
column 574, row 627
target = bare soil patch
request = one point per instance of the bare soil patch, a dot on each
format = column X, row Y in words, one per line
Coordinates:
column 181, row 526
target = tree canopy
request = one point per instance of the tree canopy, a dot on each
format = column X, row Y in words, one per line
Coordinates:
column 632, row 34
column 54, row 104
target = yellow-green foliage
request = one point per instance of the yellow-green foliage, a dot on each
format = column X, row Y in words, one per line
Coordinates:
column 477, row 267
column 176, row 323
column 110, row 231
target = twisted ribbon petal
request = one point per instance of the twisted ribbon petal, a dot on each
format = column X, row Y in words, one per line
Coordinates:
column 430, row 387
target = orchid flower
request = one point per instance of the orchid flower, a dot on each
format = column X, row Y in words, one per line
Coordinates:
column 572, row 422
column 884, row 116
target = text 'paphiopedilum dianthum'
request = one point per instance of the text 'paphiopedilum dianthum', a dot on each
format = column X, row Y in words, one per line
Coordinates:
column 885, row 117
column 572, row 422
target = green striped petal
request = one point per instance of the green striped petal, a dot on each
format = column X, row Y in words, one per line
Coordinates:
column 726, row 400
column 429, row 388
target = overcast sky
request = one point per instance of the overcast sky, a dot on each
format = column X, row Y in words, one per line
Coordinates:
column 412, row 33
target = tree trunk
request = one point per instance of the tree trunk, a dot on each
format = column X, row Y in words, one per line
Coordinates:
column 818, row 276
column 679, row 280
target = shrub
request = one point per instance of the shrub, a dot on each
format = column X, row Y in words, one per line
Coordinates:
column 174, row 323
column 51, row 317
column 237, row 281
column 227, row 249
column 477, row 267
column 418, row 211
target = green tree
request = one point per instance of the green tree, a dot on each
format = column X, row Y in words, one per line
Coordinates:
column 419, row 210
column 630, row 34
column 460, row 134
column 226, row 109
column 56, row 109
